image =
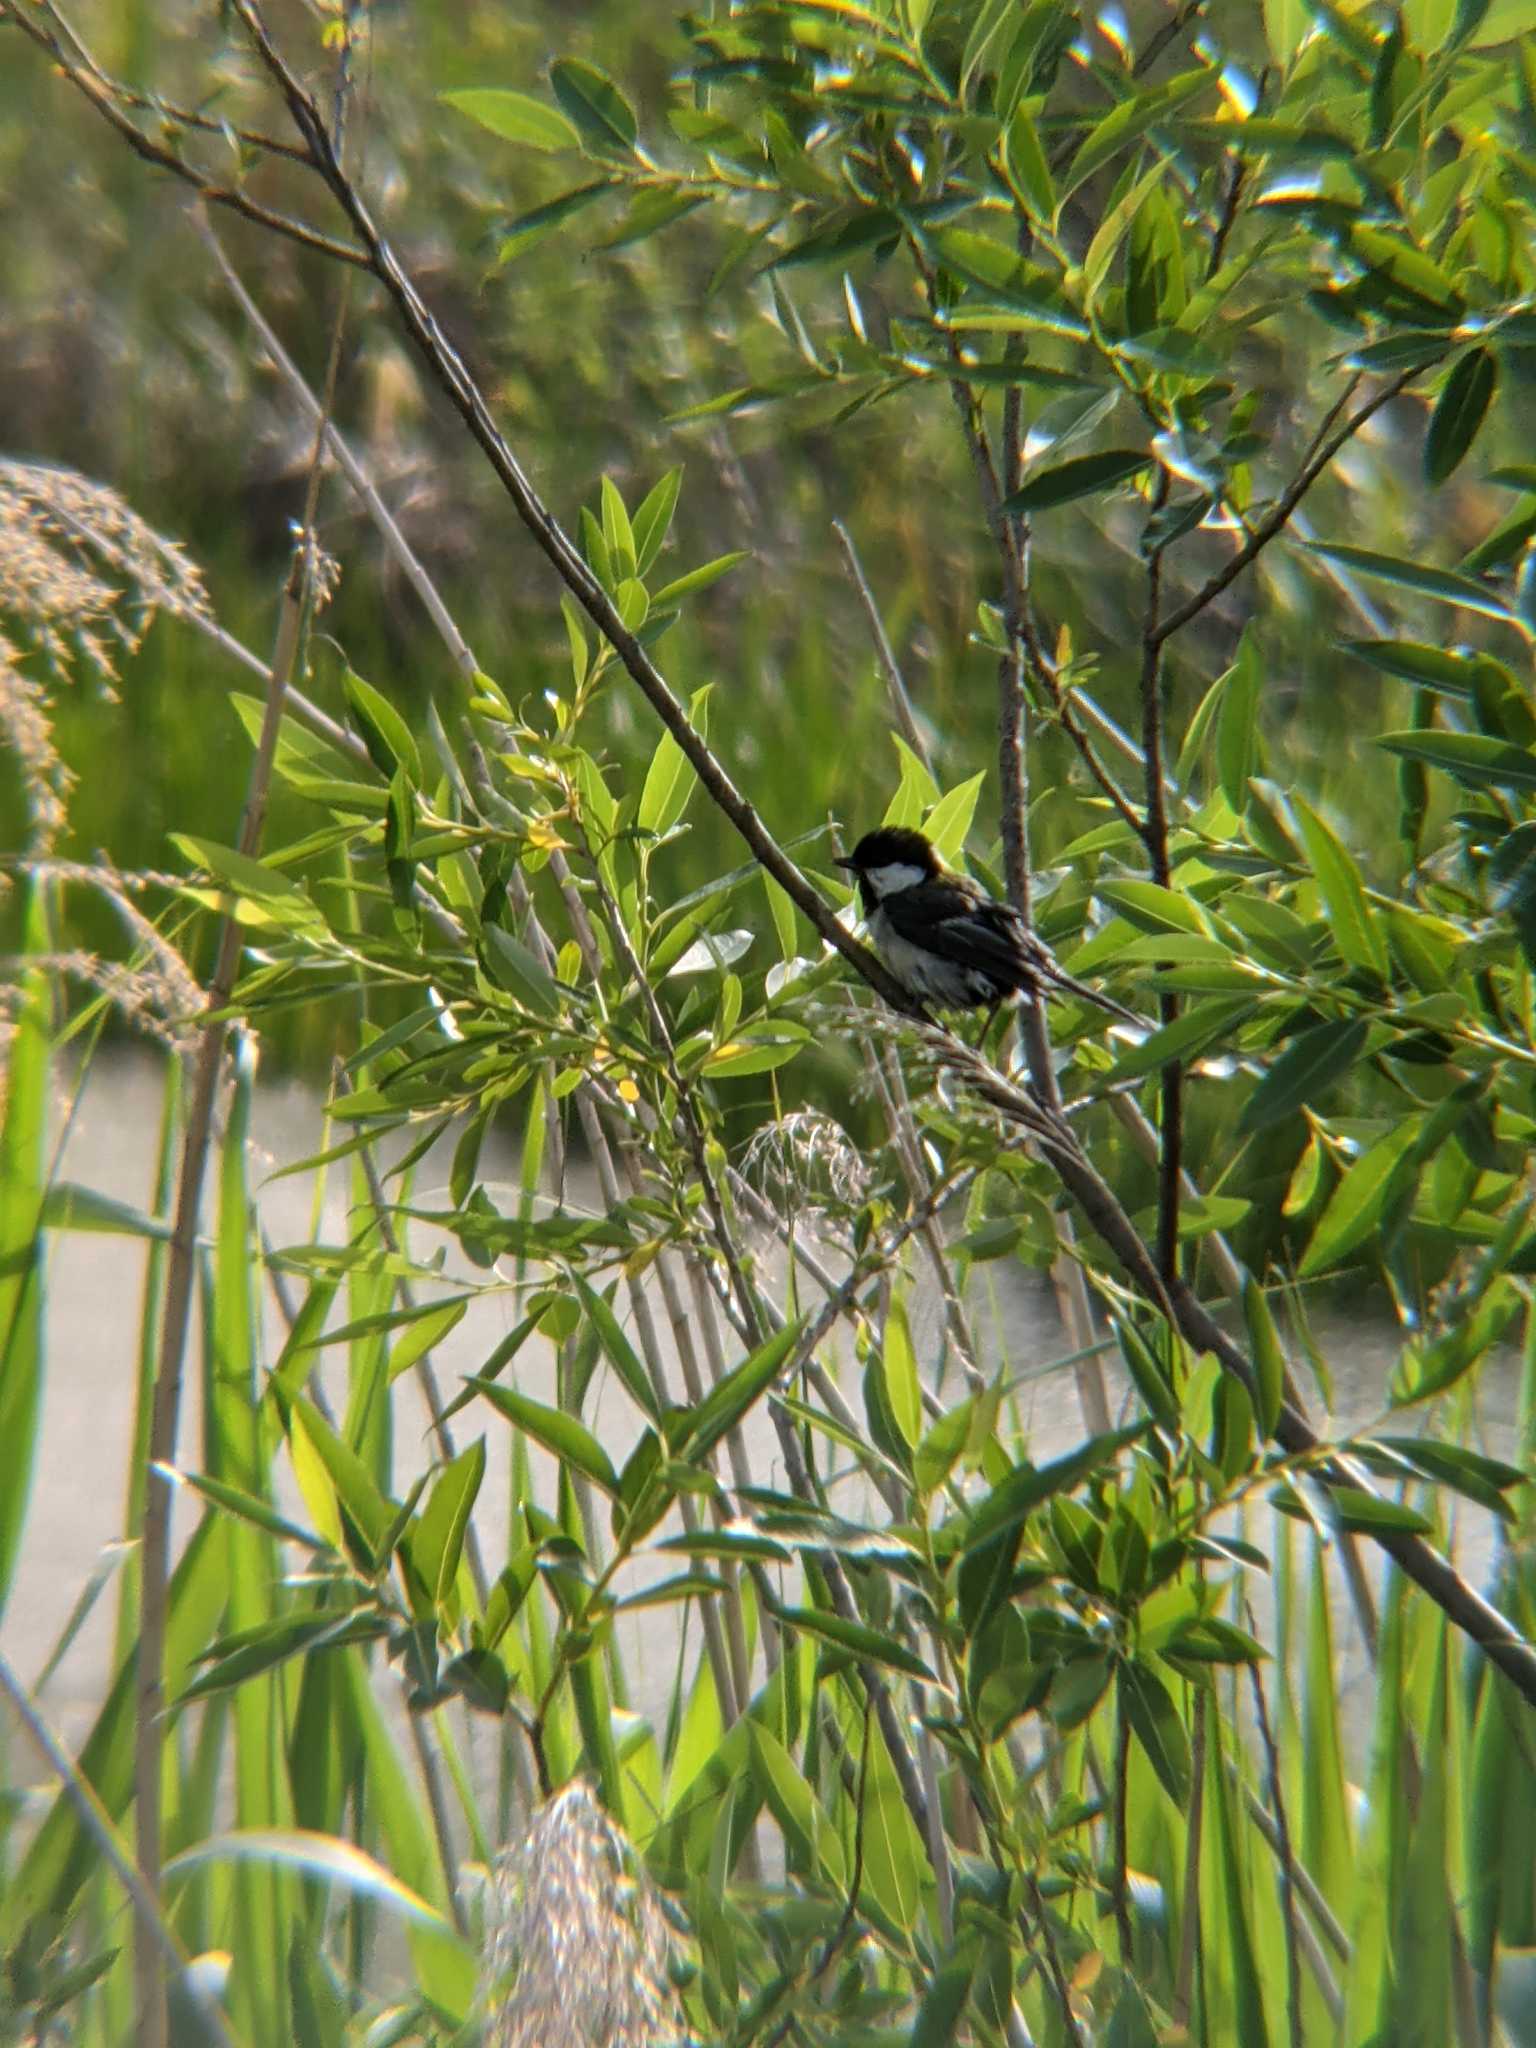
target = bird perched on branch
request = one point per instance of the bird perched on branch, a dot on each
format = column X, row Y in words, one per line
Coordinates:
column 944, row 938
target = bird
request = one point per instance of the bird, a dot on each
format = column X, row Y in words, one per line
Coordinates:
column 944, row 938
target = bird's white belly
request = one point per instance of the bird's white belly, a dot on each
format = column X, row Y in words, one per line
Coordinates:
column 927, row 976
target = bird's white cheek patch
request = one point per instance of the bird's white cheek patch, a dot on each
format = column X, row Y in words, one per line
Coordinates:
column 895, row 876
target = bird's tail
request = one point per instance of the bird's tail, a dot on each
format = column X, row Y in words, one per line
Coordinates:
column 1058, row 977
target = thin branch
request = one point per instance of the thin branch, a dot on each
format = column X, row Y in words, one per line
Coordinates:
column 165, row 1408
column 1329, row 440
column 97, row 1826
column 1190, row 11
column 901, row 702
column 463, row 393
column 88, row 84
column 1155, row 837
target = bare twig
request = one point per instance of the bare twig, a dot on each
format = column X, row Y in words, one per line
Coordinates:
column 901, row 702
column 91, row 84
column 95, row 1823
column 1329, row 440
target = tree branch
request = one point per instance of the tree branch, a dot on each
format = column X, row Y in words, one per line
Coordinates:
column 1326, row 444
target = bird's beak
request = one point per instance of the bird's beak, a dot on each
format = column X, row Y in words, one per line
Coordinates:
column 838, row 861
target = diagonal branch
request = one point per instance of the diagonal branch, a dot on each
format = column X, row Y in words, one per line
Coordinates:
column 1329, row 440
column 91, row 82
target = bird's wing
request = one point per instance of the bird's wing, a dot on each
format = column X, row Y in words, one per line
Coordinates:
column 970, row 931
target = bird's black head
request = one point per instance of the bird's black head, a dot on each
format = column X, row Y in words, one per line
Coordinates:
column 893, row 846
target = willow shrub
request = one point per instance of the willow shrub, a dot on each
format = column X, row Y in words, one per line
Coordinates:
column 971, row 1747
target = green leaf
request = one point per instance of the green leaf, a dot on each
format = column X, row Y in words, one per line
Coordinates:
column 1268, row 1356
column 437, row 1540
column 68, row 1207
column 943, row 1443
column 1475, row 759
column 1203, row 1025
column 234, row 1500
column 1124, row 124
column 371, row 1513
column 1152, row 908
column 1441, row 584
column 594, row 103
column 1408, row 272
column 1311, row 1061
column 1360, row 1200
column 562, row 1435
column 1026, row 165
column 992, row 1541
column 1155, row 1722
column 516, row 117
column 1414, row 661
column 1469, row 1471
column 1080, row 477
column 653, row 519
column 943, row 2007
column 695, row 1434
column 758, row 1051
column 520, row 972
column 1370, row 1514
column 669, row 779
column 868, row 1644
column 697, row 579
column 323, row 1857
column 620, row 1353
column 1459, row 412
column 385, row 733
column 949, row 822
column 898, row 1364
column 527, row 230
column 1355, row 930
column 249, row 877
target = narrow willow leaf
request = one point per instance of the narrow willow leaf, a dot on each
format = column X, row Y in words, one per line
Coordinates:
column 437, row 1540
column 560, row 1434
column 1157, row 1725
column 312, row 1855
column 594, row 103
column 516, row 117
column 697, row 579
column 67, row 1207
column 621, row 1354
column 1080, row 477
column 1310, row 1064
column 697, row 1433
column 1459, row 412
column 1355, row 930
column 1154, row 908
column 1475, row 759
column 519, row 971
column 385, row 733
column 1128, row 122
column 1442, row 584
column 653, row 519
column 868, row 1644
column 1360, row 1199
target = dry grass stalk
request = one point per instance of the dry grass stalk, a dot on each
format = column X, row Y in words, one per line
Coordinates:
column 578, row 1951
column 81, row 578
